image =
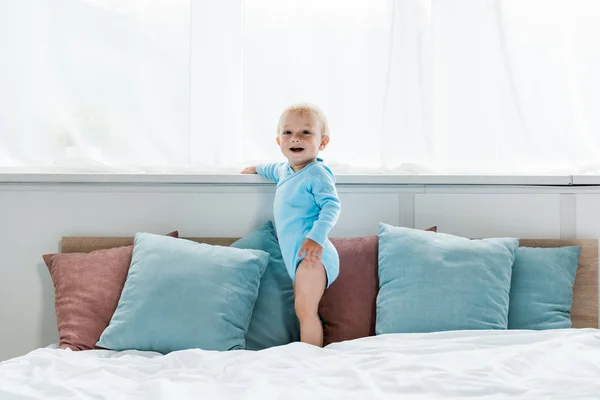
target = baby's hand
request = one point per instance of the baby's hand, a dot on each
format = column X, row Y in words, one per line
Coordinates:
column 312, row 249
column 249, row 170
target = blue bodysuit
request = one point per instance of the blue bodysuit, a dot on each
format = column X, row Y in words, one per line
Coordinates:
column 306, row 206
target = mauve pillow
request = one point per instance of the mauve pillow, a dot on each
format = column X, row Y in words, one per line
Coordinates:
column 87, row 288
column 348, row 306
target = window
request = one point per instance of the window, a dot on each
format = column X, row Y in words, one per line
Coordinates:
column 422, row 86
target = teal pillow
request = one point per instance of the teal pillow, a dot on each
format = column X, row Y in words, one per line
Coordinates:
column 541, row 291
column 180, row 294
column 431, row 282
column 274, row 321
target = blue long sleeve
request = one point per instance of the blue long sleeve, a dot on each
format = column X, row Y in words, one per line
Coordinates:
column 269, row 171
column 327, row 200
column 306, row 207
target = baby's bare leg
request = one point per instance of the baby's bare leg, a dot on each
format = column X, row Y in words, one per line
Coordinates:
column 308, row 290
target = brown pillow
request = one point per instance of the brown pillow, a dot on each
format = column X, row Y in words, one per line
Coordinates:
column 87, row 289
column 348, row 306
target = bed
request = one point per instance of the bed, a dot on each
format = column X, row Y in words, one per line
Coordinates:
column 493, row 364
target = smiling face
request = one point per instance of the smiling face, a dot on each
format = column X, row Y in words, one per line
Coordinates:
column 301, row 138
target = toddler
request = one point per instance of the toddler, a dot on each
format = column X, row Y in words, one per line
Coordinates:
column 306, row 208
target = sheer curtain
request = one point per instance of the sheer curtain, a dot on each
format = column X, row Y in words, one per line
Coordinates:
column 409, row 86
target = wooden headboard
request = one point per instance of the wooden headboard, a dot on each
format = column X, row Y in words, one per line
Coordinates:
column 584, row 312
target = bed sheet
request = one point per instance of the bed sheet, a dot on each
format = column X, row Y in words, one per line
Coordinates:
column 561, row 364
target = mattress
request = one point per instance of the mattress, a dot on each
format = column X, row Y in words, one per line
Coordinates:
column 560, row 364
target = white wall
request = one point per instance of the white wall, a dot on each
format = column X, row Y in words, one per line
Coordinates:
column 34, row 216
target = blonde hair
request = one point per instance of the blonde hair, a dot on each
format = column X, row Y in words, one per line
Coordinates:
column 306, row 108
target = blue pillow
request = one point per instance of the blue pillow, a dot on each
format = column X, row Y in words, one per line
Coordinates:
column 274, row 321
column 180, row 294
column 541, row 291
column 431, row 282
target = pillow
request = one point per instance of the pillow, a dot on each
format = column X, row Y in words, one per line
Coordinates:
column 87, row 287
column 180, row 294
column 541, row 291
column 432, row 282
column 348, row 306
column 274, row 320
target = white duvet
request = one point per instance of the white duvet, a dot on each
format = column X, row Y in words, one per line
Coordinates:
column 562, row 364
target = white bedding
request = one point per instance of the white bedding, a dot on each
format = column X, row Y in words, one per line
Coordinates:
column 561, row 364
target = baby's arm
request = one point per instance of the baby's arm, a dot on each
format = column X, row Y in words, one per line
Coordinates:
column 323, row 189
column 249, row 170
column 269, row 171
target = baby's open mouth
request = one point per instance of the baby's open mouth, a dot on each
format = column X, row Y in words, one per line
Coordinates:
column 296, row 149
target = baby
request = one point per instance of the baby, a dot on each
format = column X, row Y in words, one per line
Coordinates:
column 306, row 208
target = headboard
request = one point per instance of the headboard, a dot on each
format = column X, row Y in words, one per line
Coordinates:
column 584, row 312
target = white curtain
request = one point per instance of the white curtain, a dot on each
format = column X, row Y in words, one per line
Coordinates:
column 409, row 86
